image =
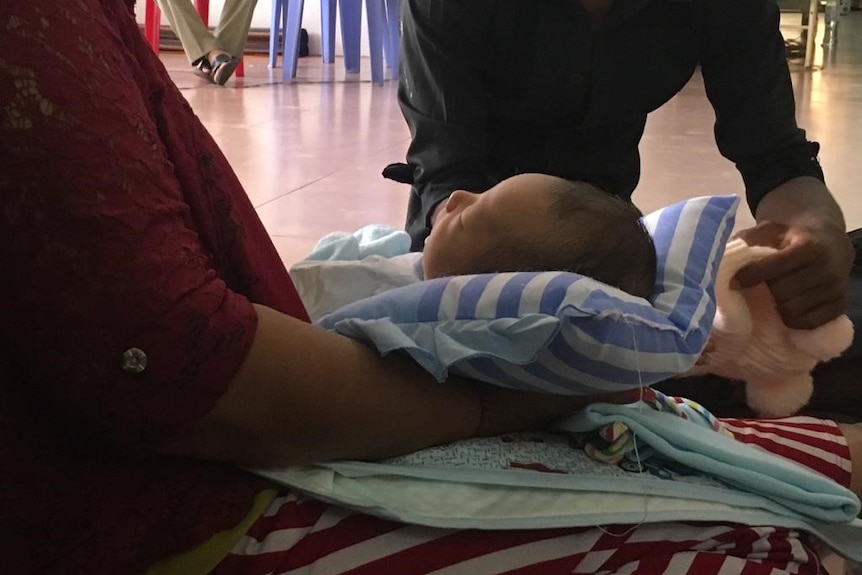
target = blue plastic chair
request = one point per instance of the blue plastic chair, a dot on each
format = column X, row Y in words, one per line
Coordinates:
column 287, row 17
column 351, row 27
column 392, row 42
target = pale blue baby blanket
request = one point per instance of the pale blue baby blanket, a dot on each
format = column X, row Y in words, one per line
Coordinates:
column 372, row 240
column 532, row 480
column 734, row 463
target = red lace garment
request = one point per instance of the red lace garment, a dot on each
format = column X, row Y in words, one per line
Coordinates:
column 122, row 228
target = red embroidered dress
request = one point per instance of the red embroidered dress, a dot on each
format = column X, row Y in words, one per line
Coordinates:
column 125, row 239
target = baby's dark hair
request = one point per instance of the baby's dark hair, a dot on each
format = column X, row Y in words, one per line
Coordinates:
column 592, row 233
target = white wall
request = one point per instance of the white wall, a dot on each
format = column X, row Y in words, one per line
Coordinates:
column 263, row 15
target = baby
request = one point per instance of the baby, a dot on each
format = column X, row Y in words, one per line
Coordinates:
column 536, row 222
column 529, row 222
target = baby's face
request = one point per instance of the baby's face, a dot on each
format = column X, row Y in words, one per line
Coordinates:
column 471, row 224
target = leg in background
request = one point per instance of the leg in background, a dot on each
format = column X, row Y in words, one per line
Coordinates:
column 234, row 24
column 196, row 39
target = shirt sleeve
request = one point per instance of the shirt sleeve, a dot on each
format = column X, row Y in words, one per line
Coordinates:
column 748, row 83
column 441, row 93
column 116, row 320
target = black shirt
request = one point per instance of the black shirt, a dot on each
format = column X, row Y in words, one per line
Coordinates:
column 492, row 88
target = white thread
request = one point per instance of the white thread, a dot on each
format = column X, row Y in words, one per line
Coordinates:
column 641, row 387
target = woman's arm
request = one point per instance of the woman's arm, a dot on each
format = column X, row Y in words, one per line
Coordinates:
column 304, row 395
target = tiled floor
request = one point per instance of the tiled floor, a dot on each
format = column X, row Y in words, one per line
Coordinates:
column 310, row 153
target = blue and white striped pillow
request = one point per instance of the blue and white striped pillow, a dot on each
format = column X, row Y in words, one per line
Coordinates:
column 557, row 331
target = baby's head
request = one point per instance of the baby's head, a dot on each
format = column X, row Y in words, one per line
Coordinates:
column 535, row 222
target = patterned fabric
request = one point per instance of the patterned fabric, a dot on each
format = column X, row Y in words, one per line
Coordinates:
column 686, row 409
column 298, row 536
column 131, row 255
column 557, row 331
column 615, row 440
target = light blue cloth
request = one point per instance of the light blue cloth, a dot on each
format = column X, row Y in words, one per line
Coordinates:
column 371, row 240
column 344, row 268
column 733, row 462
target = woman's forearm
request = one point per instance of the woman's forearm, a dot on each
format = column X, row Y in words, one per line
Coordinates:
column 305, row 395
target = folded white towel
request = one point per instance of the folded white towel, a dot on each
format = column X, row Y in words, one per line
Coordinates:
column 750, row 342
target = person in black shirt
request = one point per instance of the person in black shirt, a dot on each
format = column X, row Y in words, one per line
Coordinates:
column 493, row 88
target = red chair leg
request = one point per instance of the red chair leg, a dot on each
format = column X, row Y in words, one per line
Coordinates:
column 203, row 8
column 152, row 24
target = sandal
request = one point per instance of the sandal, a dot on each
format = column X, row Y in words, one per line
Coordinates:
column 222, row 68
column 202, row 69
column 216, row 71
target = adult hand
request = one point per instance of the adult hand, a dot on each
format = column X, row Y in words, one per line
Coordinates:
column 808, row 275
